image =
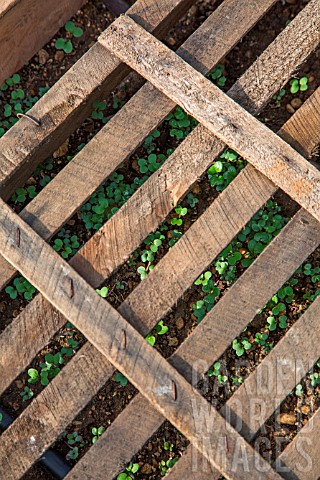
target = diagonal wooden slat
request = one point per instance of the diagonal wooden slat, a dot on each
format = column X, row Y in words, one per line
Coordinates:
column 160, row 383
column 265, row 389
column 69, row 102
column 50, row 210
column 295, row 235
column 220, row 326
column 221, row 115
column 98, row 258
column 38, row 316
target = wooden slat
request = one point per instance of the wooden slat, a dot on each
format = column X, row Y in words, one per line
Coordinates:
column 301, row 456
column 39, row 317
column 278, row 374
column 293, row 235
column 267, row 387
column 222, row 116
column 27, row 25
column 69, row 101
column 49, row 210
column 122, row 345
column 44, row 326
column 220, row 326
column 46, row 213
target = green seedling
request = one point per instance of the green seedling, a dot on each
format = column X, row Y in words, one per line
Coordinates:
column 66, row 244
column 180, row 122
column 97, row 112
column 151, row 163
column 129, row 472
column 223, row 171
column 166, row 465
column 236, row 381
column 217, row 76
column 181, row 213
column 65, row 44
column 22, row 194
column 73, row 30
column 103, row 292
column 26, row 394
column 299, row 390
column 97, row 432
column 21, row 286
column 278, row 97
column 72, row 439
column 299, row 85
column 240, row 346
column 192, row 200
column 119, row 378
column 168, row 446
column 159, row 329
column 315, row 379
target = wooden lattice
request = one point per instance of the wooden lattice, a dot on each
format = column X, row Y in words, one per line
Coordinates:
column 116, row 338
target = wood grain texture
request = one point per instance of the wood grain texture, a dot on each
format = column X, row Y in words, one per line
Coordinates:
column 262, row 269
column 278, row 374
column 194, row 154
column 268, row 261
column 46, row 213
column 222, row 116
column 69, row 101
column 40, row 317
column 134, row 357
column 220, row 326
column 27, row 25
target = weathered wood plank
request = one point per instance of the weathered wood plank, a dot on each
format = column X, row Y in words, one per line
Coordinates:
column 69, row 101
column 27, row 25
column 117, row 458
column 39, row 317
column 46, row 213
column 122, row 345
column 211, row 350
column 53, row 330
column 220, row 326
column 278, row 374
column 222, row 116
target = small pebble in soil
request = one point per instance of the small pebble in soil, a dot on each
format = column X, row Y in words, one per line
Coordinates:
column 288, row 418
column 43, row 56
column 296, row 103
column 290, row 108
column 180, row 323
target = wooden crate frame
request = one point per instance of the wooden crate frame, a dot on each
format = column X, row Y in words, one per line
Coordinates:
column 118, row 343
